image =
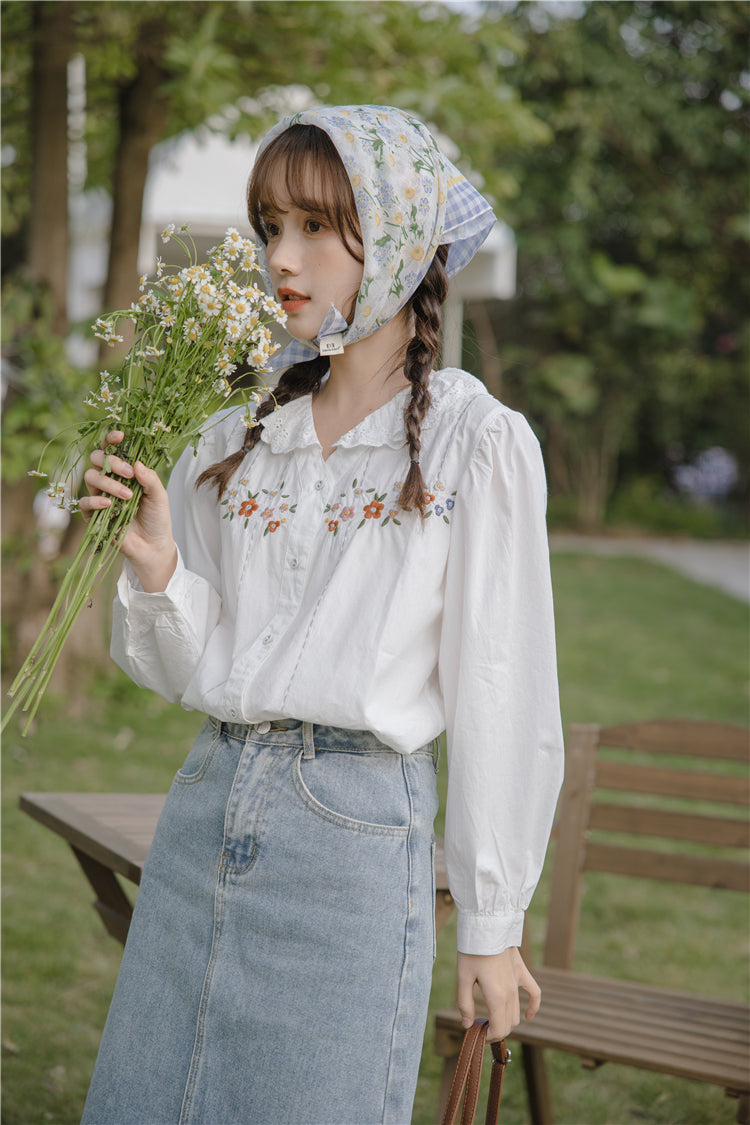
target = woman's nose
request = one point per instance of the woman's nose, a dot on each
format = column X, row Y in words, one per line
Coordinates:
column 283, row 256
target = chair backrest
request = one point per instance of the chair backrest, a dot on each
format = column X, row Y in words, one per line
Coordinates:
column 673, row 780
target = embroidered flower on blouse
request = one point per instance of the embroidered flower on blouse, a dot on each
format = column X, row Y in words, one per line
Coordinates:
column 373, row 510
column 271, row 507
column 445, row 504
column 252, row 504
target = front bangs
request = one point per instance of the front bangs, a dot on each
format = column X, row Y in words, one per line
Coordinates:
column 315, row 181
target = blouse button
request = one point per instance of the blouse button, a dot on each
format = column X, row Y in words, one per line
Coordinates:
column 294, row 563
column 233, row 712
column 267, row 639
column 318, row 485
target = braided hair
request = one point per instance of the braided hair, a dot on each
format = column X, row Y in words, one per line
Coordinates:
column 300, row 379
column 422, row 353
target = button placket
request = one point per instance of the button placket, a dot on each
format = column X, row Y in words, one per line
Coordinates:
column 302, row 532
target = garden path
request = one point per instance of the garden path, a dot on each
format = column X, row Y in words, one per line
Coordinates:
column 724, row 564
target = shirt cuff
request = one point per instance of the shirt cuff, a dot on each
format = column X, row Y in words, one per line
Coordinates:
column 485, row 934
column 134, row 597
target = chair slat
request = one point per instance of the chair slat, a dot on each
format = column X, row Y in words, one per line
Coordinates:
column 722, row 741
column 614, row 990
column 725, row 832
column 691, row 784
column 645, row 863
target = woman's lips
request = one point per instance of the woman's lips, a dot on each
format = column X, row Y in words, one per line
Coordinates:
column 291, row 300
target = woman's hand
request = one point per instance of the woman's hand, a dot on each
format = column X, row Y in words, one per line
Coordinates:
column 148, row 542
column 499, row 977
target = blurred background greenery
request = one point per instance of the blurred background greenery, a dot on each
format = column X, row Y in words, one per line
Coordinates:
column 612, row 139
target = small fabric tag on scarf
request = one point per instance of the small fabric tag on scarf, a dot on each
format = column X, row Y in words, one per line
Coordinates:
column 332, row 345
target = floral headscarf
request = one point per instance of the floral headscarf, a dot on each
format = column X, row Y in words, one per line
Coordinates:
column 410, row 199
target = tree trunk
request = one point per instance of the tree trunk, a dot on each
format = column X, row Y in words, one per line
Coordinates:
column 142, row 117
column 581, row 463
column 48, row 223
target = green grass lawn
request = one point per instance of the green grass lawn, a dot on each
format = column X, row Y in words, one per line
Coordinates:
column 635, row 641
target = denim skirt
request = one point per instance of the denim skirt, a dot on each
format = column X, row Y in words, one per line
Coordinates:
column 278, row 965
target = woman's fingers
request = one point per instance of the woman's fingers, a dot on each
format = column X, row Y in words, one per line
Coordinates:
column 97, row 481
column 504, row 1012
column 149, row 479
column 465, row 994
column 89, row 504
column 111, row 464
column 102, row 476
column 101, row 485
column 532, row 989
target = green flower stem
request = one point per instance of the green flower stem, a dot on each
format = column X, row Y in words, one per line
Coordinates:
column 94, row 559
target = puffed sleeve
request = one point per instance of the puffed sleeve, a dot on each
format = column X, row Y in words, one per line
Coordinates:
column 158, row 639
column 498, row 677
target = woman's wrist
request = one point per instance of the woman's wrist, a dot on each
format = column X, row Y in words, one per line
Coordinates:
column 154, row 572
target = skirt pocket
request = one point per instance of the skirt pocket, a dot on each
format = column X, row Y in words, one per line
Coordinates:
column 201, row 753
column 365, row 791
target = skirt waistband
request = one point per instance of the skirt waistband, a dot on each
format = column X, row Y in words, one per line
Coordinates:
column 295, row 733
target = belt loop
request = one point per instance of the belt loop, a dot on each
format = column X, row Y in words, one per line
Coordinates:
column 308, row 741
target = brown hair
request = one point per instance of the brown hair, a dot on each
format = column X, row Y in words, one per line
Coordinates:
column 308, row 156
column 303, row 149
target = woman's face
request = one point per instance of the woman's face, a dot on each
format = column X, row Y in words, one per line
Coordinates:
column 310, row 266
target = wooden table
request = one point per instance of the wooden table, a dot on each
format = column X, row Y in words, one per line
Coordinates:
column 110, row 834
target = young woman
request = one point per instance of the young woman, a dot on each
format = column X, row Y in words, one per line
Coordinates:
column 364, row 568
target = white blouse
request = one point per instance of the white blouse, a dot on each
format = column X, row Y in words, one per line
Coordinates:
column 308, row 593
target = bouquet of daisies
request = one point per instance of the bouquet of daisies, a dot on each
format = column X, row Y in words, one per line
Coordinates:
column 193, row 328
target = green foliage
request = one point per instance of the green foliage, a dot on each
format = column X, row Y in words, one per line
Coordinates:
column 632, row 232
column 214, row 54
column 15, row 79
column 643, row 504
column 45, row 392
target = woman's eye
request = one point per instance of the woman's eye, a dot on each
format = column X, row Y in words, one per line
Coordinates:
column 272, row 230
column 314, row 226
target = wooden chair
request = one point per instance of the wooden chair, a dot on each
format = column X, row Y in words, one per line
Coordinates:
column 610, row 1020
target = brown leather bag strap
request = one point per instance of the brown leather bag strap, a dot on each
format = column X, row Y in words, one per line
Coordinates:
column 472, row 1049
column 500, row 1059
column 468, row 1075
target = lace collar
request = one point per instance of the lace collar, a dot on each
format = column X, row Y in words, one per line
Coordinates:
column 292, row 427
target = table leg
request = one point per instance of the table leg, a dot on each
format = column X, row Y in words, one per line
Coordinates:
column 112, row 904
